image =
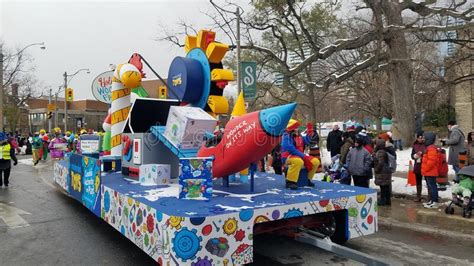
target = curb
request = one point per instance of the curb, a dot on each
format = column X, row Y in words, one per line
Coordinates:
column 423, row 229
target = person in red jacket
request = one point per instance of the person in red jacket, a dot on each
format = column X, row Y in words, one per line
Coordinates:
column 429, row 168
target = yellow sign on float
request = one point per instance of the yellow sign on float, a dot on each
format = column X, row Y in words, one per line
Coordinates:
column 218, row 104
column 189, row 43
column 218, row 74
column 216, row 51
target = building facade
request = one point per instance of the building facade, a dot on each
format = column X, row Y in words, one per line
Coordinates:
column 460, row 73
column 88, row 114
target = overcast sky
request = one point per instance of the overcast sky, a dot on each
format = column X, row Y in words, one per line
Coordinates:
column 94, row 34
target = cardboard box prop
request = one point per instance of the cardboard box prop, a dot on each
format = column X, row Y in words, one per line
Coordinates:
column 187, row 126
column 152, row 151
column 195, row 178
column 155, row 174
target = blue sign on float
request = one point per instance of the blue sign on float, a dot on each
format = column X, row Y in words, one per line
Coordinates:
column 91, row 184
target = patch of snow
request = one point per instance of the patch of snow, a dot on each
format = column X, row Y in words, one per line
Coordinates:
column 404, row 157
column 346, row 190
column 399, row 186
column 247, row 197
column 303, row 193
column 326, row 190
column 231, row 208
column 163, row 192
column 26, row 161
column 132, row 181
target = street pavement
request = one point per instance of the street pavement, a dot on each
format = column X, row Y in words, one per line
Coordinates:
column 39, row 225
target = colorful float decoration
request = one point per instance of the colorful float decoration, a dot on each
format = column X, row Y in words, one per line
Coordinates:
column 162, row 186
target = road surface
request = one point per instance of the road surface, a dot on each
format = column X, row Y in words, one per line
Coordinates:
column 39, row 225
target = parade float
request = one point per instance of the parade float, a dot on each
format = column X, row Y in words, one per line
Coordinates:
column 165, row 182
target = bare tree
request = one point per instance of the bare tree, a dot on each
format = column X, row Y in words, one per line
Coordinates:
column 19, row 83
column 279, row 29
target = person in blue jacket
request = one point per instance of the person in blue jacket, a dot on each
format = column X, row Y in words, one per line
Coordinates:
column 292, row 146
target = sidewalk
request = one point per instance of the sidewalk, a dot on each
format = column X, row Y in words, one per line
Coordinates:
column 399, row 178
column 410, row 215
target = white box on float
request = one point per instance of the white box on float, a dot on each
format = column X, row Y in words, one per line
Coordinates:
column 155, row 174
column 187, row 126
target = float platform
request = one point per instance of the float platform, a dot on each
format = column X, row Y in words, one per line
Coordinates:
column 216, row 232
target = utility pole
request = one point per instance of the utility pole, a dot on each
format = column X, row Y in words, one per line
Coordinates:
column 65, row 102
column 49, row 101
column 1, row 89
column 56, row 109
column 237, row 13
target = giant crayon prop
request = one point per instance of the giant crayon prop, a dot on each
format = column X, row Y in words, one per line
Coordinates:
column 247, row 139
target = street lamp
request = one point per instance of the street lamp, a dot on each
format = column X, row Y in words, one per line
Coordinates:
column 65, row 75
column 42, row 46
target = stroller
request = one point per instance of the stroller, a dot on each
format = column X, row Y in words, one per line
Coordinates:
column 333, row 172
column 458, row 200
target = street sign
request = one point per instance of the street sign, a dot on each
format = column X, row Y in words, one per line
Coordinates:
column 51, row 107
column 102, row 87
column 248, row 72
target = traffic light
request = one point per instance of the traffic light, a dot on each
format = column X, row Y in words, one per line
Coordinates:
column 50, row 115
column 162, row 92
column 69, row 94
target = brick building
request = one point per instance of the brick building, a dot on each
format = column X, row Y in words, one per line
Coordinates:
column 460, row 70
column 81, row 114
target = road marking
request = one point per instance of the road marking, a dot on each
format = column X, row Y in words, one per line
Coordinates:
column 11, row 216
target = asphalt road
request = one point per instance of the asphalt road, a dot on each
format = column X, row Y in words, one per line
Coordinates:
column 45, row 227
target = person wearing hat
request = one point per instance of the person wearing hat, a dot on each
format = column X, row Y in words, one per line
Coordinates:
column 7, row 153
column 334, row 141
column 292, row 146
column 78, row 143
column 36, row 146
column 359, row 163
column 418, row 148
column 57, row 145
column 44, row 149
column 70, row 140
column 366, row 140
column 429, row 168
column 465, row 186
column 455, row 141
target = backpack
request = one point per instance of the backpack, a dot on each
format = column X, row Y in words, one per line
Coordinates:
column 442, row 163
column 391, row 163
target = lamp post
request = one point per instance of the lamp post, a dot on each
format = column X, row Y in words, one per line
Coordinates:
column 65, row 76
column 42, row 46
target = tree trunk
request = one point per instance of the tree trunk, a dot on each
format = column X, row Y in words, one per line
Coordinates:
column 400, row 72
column 378, row 123
column 312, row 102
